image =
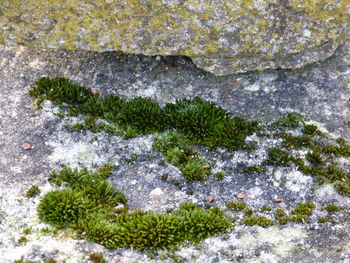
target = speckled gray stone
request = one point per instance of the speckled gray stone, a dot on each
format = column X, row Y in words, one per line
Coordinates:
column 320, row 91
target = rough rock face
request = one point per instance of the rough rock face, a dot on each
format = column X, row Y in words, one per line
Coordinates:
column 222, row 36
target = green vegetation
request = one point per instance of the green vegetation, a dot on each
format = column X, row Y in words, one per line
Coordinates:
column 279, row 213
column 200, row 121
column 235, row 205
column 195, row 121
column 304, row 209
column 279, row 157
column 86, row 206
column 332, row 208
column 320, row 156
column 33, row 191
column 22, row 240
column 299, row 214
column 289, row 120
column 219, row 176
column 257, row 220
column 253, row 169
column 322, row 219
column 177, row 150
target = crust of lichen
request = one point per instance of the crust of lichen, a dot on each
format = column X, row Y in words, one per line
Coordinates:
column 192, row 28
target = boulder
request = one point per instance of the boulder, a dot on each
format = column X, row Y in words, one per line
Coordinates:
column 221, row 36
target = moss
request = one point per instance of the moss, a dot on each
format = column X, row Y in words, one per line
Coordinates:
column 331, row 208
column 22, row 240
column 322, row 219
column 253, row 169
column 279, row 157
column 311, row 129
column 265, row 209
column 279, row 212
column 257, row 220
column 305, row 209
column 195, row 172
column 178, row 151
column 219, row 176
column 86, row 205
column 200, row 121
column 132, row 158
column 248, row 212
column 290, row 141
column 314, row 158
column 33, row 191
column 289, row 120
column 235, row 205
column 27, row 230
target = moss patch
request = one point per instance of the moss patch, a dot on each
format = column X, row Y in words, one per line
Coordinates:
column 86, row 206
column 195, row 121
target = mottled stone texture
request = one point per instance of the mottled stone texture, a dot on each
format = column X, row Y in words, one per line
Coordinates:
column 221, row 36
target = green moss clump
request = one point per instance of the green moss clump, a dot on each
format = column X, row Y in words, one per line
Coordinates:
column 195, row 172
column 289, row 120
column 290, row 141
column 332, row 208
column 86, row 205
column 305, row 209
column 257, row 220
column 248, row 212
column 201, row 121
column 279, row 157
column 62, row 208
column 253, row 169
column 279, row 213
column 178, row 151
column 311, row 129
column 60, row 90
column 314, row 158
column 235, row 205
column 322, row 219
column 219, row 176
column 86, row 192
column 22, row 240
column 33, row 191
column 265, row 209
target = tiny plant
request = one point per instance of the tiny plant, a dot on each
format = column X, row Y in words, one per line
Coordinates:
column 33, row 191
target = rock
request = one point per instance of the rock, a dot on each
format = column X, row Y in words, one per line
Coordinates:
column 26, row 146
column 222, row 36
column 240, row 196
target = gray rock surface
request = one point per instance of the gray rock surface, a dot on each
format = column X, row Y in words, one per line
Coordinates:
column 222, row 36
column 320, row 92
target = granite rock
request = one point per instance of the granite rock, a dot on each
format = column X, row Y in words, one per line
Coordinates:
column 222, row 36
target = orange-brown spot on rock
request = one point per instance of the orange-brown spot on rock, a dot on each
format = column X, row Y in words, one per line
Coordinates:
column 240, row 195
column 26, row 146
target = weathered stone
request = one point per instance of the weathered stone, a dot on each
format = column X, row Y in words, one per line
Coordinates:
column 220, row 36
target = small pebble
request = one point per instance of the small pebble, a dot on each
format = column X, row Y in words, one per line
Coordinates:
column 240, row 196
column 26, row 146
column 210, row 199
